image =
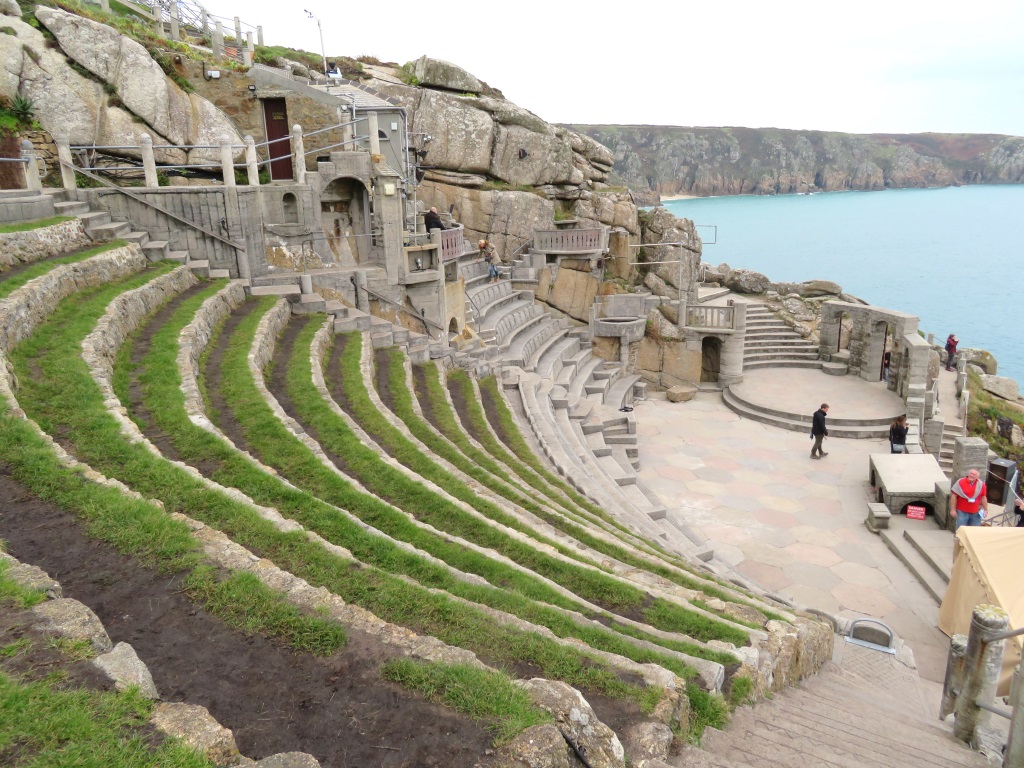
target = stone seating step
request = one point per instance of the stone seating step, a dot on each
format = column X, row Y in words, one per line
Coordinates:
column 583, row 375
column 494, row 317
column 200, row 267
column 220, row 274
column 795, row 422
column 549, row 351
column 756, row 357
column 597, row 445
column 136, row 237
column 919, row 567
column 179, row 256
column 833, row 421
column 620, row 394
column 309, row 304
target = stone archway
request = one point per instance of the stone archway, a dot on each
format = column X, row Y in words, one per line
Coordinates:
column 873, row 370
column 344, row 215
column 710, row 358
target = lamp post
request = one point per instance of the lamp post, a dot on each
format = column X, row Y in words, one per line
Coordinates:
column 323, row 52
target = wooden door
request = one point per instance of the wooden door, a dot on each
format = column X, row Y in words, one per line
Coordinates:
column 275, row 119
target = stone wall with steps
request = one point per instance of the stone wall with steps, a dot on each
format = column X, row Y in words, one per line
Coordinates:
column 771, row 343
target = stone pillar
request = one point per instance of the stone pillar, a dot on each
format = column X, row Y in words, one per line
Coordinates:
column 346, row 129
column 305, row 282
column 374, row 131
column 298, row 155
column 969, row 453
column 828, row 332
column 731, row 365
column 149, row 161
column 105, row 5
column 158, row 19
column 259, row 36
column 67, row 171
column 227, row 164
column 246, row 57
column 940, row 505
column 362, row 298
column 31, row 165
column 252, row 166
column 175, row 31
column 238, row 33
column 1014, row 757
column 982, row 662
column 204, row 23
column 931, row 435
column 217, row 44
column 954, row 675
column 250, row 51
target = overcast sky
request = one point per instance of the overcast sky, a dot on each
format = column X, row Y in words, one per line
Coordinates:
column 865, row 67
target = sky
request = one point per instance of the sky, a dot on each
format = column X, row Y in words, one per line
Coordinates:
column 866, row 67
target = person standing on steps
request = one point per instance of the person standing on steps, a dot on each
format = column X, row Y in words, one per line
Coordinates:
column 951, row 343
column 819, row 431
column 898, row 435
column 490, row 259
column 968, row 499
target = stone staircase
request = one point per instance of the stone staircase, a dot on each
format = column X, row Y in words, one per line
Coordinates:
column 770, row 343
column 866, row 712
column 950, row 432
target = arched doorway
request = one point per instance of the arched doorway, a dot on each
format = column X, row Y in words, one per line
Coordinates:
column 344, row 215
column 710, row 358
column 878, row 343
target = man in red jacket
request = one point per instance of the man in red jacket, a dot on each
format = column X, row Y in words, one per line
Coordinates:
column 968, row 497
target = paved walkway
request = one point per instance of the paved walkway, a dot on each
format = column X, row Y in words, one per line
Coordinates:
column 791, row 524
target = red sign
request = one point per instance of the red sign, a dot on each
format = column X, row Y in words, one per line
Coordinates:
column 915, row 512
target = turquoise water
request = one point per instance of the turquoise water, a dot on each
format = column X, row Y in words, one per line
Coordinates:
column 953, row 257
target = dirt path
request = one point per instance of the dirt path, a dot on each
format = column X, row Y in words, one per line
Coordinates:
column 274, row 699
column 219, row 411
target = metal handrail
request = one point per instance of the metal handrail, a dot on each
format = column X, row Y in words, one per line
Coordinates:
column 227, row 241
column 396, row 305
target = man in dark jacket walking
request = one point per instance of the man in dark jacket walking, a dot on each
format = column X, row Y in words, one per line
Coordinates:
column 818, row 431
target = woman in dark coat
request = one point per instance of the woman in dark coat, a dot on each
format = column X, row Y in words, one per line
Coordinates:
column 951, row 343
column 898, row 435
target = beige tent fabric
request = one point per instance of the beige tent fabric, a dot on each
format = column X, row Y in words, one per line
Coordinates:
column 987, row 568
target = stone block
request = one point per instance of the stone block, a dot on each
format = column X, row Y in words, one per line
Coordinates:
column 197, row 728
column 71, row 619
column 878, row 517
column 123, row 666
column 1001, row 386
column 682, row 393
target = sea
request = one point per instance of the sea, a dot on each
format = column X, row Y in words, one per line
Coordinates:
column 953, row 256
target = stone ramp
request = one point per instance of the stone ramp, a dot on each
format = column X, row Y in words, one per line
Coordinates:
column 864, row 709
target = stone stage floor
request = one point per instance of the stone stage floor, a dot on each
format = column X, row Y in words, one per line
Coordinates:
column 791, row 524
column 801, row 390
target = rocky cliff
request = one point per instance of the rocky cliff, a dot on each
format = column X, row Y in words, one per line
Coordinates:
column 666, row 160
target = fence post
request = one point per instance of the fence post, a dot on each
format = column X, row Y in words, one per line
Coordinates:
column 175, row 32
column 67, row 167
column 259, row 35
column 105, row 5
column 238, row 33
column 227, row 163
column 1014, row 757
column 204, row 21
column 28, row 154
column 158, row 19
column 982, row 662
column 954, row 675
column 251, row 162
column 148, row 160
column 218, row 41
column 298, row 155
column 373, row 130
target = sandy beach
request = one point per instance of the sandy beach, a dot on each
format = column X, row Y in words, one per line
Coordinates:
column 677, row 197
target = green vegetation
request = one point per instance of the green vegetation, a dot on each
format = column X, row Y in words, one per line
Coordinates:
column 12, row 592
column 9, row 285
column 740, row 691
column 28, row 226
column 707, row 710
column 59, row 393
column 489, row 697
column 985, row 408
column 48, row 723
column 407, row 73
column 75, row 650
column 16, row 114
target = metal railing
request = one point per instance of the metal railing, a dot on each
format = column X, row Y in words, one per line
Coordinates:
column 427, row 324
column 570, row 240
column 972, row 672
column 711, row 317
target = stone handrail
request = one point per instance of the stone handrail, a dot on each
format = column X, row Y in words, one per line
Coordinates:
column 711, row 317
column 570, row 240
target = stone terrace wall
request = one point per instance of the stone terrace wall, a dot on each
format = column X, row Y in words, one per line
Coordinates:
column 43, row 243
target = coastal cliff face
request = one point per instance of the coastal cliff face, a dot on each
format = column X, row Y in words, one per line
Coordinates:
column 666, row 160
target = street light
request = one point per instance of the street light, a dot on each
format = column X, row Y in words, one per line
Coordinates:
column 322, row 50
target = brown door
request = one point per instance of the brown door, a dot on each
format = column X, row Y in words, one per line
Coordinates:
column 275, row 117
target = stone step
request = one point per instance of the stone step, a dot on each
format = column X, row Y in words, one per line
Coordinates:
column 795, row 423
column 275, row 290
column 179, row 256
column 309, row 304
column 805, row 419
column 757, row 357
column 919, row 567
column 70, row 208
column 94, row 218
column 620, row 394
column 156, row 250
column 112, row 230
column 137, row 237
column 220, row 274
column 781, row 363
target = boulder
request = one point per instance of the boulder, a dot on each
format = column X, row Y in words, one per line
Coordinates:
column 573, row 292
column 10, row 8
column 541, row 746
column 681, row 393
column 660, row 226
column 815, row 288
column 288, row 760
column 436, row 73
column 1000, row 386
column 71, row 619
column 197, row 728
column 1016, row 436
column 746, row 281
column 577, row 721
column 981, row 358
column 123, row 666
column 140, row 83
column 31, row 577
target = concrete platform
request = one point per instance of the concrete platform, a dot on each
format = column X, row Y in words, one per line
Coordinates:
column 903, row 478
column 797, row 392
